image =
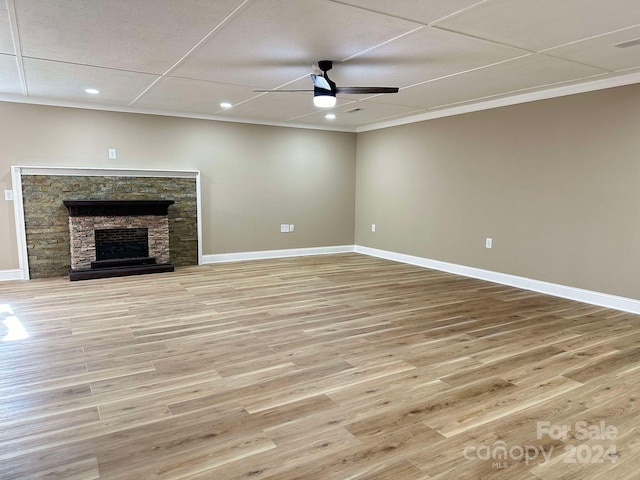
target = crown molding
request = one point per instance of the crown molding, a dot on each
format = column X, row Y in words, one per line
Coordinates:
column 49, row 102
column 445, row 111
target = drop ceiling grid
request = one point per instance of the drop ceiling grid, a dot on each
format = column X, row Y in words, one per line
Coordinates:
column 421, row 11
column 67, row 80
column 601, row 51
column 528, row 72
column 266, row 46
column 147, row 37
column 542, row 24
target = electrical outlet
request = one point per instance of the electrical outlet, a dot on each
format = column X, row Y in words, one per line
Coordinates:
column 373, row 227
column 112, row 153
column 488, row 242
column 8, row 195
column 291, row 227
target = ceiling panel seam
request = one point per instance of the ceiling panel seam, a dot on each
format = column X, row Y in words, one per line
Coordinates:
column 15, row 37
column 193, row 49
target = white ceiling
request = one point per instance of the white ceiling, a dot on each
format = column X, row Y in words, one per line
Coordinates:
column 186, row 57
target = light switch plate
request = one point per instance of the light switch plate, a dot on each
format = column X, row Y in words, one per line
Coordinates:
column 8, row 195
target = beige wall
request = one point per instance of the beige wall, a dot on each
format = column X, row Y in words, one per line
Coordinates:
column 253, row 177
column 555, row 183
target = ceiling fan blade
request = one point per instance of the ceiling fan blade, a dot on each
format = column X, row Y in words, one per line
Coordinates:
column 320, row 82
column 282, row 91
column 367, row 90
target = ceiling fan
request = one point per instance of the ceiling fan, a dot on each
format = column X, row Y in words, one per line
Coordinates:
column 325, row 89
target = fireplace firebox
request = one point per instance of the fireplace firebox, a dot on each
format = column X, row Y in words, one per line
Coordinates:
column 120, row 243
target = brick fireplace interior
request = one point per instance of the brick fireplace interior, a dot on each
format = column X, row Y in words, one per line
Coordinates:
column 119, row 243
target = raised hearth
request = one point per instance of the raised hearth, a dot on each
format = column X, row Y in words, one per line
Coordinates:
column 118, row 237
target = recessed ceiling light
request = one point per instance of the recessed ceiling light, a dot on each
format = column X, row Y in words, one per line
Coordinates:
column 330, row 116
column 226, row 105
column 92, row 91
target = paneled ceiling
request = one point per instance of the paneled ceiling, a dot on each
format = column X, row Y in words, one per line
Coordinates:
column 186, row 57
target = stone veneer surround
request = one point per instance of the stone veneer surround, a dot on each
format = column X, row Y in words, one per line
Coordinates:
column 82, row 231
column 46, row 219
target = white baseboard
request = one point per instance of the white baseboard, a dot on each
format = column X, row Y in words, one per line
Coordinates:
column 586, row 296
column 262, row 255
column 11, row 275
column 572, row 293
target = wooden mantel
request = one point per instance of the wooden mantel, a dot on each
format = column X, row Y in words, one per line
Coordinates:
column 111, row 208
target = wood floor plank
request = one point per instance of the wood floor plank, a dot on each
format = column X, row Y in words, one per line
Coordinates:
column 78, row 470
column 329, row 367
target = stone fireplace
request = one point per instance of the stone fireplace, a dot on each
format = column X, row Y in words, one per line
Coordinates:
column 118, row 237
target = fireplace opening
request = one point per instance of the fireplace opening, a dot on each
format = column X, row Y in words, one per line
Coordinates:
column 121, row 243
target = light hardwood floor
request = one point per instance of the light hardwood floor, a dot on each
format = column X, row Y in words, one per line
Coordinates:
column 327, row 367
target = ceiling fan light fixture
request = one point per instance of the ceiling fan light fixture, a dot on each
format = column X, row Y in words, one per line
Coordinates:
column 323, row 98
column 324, row 101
